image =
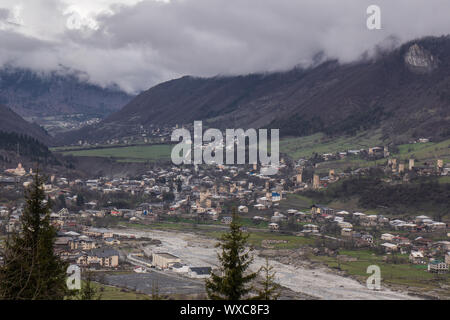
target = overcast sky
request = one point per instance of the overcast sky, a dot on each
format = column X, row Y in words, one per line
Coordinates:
column 138, row 44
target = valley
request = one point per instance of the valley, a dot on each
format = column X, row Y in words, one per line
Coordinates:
column 363, row 177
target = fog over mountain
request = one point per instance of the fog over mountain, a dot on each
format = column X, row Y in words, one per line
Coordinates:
column 137, row 44
column 56, row 93
column 404, row 93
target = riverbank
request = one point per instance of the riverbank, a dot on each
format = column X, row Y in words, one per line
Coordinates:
column 318, row 282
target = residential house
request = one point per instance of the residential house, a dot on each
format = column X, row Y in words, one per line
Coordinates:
column 342, row 213
column 417, row 257
column 277, row 217
column 179, row 268
column 103, row 257
column 82, row 244
column 227, row 220
column 199, row 272
column 346, row 232
column 387, row 236
column 317, row 209
column 112, row 241
column 274, row 226
column 310, row 228
column 437, row 266
column 276, row 196
column 345, row 225
column 243, row 209
column 389, row 247
column 164, row 260
column 259, row 206
column 368, row 238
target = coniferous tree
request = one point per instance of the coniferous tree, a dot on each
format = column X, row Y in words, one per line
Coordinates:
column 155, row 291
column 80, row 200
column 31, row 269
column 270, row 289
column 88, row 291
column 233, row 282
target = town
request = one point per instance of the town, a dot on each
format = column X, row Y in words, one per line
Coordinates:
column 94, row 216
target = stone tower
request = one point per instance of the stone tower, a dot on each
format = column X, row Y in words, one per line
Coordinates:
column 316, row 181
column 411, row 164
column 394, row 164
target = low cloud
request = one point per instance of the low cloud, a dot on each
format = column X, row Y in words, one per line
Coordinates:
column 137, row 44
column 4, row 13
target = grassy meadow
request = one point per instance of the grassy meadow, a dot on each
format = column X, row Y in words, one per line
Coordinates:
column 142, row 153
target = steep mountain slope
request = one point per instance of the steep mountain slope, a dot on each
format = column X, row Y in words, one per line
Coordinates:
column 12, row 122
column 15, row 148
column 21, row 141
column 406, row 92
column 31, row 94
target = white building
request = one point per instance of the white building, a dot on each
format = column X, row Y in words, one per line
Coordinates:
column 164, row 260
column 387, row 236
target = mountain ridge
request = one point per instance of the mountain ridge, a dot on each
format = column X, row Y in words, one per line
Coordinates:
column 11, row 122
column 405, row 92
column 33, row 94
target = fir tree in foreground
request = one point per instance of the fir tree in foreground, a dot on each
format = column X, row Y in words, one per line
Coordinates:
column 155, row 291
column 270, row 289
column 234, row 280
column 88, row 290
column 31, row 270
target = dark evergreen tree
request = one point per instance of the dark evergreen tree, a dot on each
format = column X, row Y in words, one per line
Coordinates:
column 233, row 282
column 31, row 269
column 88, row 291
column 269, row 288
column 80, row 200
column 60, row 202
column 155, row 291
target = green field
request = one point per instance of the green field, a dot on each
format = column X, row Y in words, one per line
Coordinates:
column 107, row 292
column 127, row 154
column 293, row 242
column 113, row 293
column 255, row 239
column 424, row 151
column 305, row 147
column 343, row 164
column 397, row 274
column 295, row 201
column 192, row 225
column 444, row 179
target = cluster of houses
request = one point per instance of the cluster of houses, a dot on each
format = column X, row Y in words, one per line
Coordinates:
column 88, row 249
column 359, row 228
column 202, row 191
column 392, row 165
column 146, row 135
column 198, row 192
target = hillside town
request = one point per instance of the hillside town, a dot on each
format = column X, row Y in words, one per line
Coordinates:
column 202, row 195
